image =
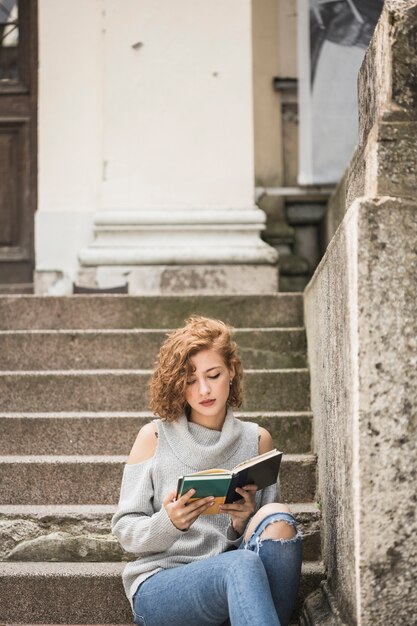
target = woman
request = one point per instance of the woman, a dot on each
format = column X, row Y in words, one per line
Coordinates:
column 188, row 571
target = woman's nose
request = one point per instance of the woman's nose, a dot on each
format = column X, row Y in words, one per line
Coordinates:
column 204, row 387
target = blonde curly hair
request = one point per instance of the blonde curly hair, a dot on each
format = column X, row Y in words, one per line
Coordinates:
column 173, row 368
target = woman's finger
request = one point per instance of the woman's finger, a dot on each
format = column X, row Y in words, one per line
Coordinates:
column 188, row 510
column 186, row 497
column 246, row 492
column 201, row 503
column 233, row 508
column 194, row 513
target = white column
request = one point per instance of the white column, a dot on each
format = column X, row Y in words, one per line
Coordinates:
column 146, row 171
column 178, row 209
column 69, row 137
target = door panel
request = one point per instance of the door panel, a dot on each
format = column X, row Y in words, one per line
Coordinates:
column 18, row 137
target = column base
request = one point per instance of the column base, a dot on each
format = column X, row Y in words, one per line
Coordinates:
column 183, row 279
column 163, row 279
column 178, row 237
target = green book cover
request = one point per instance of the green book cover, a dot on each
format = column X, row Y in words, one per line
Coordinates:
column 216, row 485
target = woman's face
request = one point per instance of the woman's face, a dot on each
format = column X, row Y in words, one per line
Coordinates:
column 208, row 386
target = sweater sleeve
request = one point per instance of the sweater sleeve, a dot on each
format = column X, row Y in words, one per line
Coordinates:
column 139, row 529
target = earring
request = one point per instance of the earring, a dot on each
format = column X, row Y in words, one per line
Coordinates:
column 230, row 381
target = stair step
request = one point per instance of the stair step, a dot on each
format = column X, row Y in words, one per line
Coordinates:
column 84, row 593
column 97, row 479
column 112, row 390
column 69, row 420
column 136, row 349
column 114, row 433
column 82, row 533
column 120, row 311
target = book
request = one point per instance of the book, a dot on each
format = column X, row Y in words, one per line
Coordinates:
column 261, row 470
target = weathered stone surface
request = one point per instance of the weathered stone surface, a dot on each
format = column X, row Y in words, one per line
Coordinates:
column 320, row 608
column 79, row 350
column 135, row 349
column 73, row 433
column 361, row 326
column 15, row 530
column 126, row 390
column 60, row 546
column 61, row 593
column 328, row 321
column 387, row 80
column 396, row 160
column 96, row 480
column 58, row 537
column 73, row 391
column 113, row 434
column 356, row 176
column 107, row 425
column 291, row 433
column 335, row 210
column 385, row 160
column 49, row 312
column 308, row 517
column 272, row 348
column 387, row 335
column 387, row 165
column 312, row 575
column 365, row 406
column 193, row 279
column 82, row 533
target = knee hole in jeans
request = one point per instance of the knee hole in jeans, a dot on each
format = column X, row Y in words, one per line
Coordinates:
column 279, row 529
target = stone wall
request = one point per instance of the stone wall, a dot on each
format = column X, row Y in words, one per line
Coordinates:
column 335, row 210
column 387, row 403
column 330, row 319
column 362, row 335
column 362, row 340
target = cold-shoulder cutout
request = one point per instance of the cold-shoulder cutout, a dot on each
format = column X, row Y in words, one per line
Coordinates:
column 145, row 444
column 265, row 440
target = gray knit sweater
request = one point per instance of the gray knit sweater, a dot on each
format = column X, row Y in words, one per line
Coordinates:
column 141, row 523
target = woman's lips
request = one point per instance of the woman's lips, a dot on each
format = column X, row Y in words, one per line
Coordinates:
column 207, row 402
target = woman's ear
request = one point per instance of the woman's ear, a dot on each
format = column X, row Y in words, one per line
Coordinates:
column 232, row 372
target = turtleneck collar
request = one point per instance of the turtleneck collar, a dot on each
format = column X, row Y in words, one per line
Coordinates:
column 203, row 448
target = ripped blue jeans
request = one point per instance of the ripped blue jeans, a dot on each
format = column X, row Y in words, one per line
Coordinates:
column 255, row 585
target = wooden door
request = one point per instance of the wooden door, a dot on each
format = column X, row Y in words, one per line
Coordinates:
column 18, row 142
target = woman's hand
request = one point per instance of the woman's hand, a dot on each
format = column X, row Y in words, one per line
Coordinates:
column 182, row 512
column 241, row 510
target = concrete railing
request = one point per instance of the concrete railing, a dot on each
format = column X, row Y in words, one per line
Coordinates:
column 361, row 331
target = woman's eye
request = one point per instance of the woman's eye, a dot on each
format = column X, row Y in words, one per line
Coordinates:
column 216, row 376
column 190, row 382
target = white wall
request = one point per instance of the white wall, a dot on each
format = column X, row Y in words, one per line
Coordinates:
column 178, row 110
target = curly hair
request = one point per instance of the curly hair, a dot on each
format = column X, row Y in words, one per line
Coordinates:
column 173, row 367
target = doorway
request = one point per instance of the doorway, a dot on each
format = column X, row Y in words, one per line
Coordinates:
column 18, row 143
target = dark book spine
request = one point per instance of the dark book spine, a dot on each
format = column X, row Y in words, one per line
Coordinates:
column 232, row 496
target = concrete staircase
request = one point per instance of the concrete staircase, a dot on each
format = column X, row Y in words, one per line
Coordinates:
column 73, row 375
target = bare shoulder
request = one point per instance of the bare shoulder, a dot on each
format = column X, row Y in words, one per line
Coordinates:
column 145, row 444
column 265, row 440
